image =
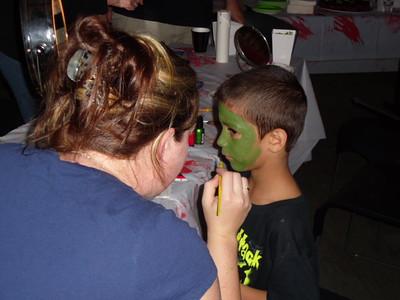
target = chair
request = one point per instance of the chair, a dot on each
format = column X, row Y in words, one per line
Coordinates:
column 374, row 190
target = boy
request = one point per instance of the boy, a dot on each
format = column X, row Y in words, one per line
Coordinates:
column 262, row 114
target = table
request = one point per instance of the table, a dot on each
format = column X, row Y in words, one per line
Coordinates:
column 181, row 196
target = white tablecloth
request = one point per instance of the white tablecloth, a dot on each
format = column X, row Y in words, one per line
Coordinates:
column 182, row 196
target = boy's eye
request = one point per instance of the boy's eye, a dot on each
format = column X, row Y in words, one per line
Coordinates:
column 233, row 133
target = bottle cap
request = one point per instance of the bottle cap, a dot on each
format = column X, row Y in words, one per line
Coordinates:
column 199, row 122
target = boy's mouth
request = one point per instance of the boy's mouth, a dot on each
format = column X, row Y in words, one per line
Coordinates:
column 227, row 156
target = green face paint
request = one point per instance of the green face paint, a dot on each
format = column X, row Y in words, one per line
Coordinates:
column 238, row 139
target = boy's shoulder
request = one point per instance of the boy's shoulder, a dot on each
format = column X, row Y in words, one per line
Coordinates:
column 284, row 219
column 289, row 204
column 280, row 208
column 282, row 213
column 277, row 188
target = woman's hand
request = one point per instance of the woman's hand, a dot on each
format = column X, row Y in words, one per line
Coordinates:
column 235, row 204
column 127, row 4
column 222, row 229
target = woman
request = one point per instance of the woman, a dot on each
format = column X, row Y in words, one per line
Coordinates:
column 75, row 220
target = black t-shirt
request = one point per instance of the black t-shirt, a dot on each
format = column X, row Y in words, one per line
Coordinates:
column 195, row 13
column 276, row 251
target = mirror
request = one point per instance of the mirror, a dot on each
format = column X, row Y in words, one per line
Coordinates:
column 43, row 28
column 252, row 48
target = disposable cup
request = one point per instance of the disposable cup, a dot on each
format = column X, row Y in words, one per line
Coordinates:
column 200, row 38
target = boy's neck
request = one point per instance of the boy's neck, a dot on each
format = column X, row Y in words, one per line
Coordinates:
column 272, row 182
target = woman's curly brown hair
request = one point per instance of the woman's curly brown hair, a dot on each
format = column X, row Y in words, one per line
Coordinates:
column 133, row 90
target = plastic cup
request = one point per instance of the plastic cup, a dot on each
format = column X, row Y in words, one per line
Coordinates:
column 200, row 38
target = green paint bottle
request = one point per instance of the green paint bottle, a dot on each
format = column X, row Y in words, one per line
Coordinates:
column 199, row 131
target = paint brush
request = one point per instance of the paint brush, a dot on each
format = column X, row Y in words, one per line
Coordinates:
column 221, row 165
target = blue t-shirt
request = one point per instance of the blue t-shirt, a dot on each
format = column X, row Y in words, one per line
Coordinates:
column 73, row 232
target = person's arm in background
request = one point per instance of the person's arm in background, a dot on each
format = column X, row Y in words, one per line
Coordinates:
column 236, row 10
column 74, row 9
column 222, row 229
column 127, row 4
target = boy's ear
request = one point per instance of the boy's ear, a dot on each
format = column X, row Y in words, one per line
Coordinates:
column 275, row 140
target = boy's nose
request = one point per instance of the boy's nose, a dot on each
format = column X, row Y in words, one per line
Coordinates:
column 221, row 141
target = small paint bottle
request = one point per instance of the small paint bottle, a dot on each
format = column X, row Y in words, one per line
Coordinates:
column 199, row 131
column 192, row 138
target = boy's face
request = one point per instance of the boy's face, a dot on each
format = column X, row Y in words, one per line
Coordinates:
column 238, row 139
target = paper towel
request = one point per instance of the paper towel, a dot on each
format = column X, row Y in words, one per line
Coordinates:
column 223, row 32
column 234, row 27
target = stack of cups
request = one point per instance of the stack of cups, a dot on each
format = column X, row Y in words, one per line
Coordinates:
column 223, row 32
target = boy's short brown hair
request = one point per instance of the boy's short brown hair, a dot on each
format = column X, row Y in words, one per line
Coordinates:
column 269, row 97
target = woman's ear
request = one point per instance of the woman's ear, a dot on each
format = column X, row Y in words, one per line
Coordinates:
column 166, row 143
column 275, row 140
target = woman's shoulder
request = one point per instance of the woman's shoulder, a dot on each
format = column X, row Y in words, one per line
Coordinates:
column 10, row 148
column 17, row 150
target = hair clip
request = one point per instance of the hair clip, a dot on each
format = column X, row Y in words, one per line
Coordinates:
column 78, row 64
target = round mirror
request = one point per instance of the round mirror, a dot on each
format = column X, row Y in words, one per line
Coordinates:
column 252, row 48
column 43, row 28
